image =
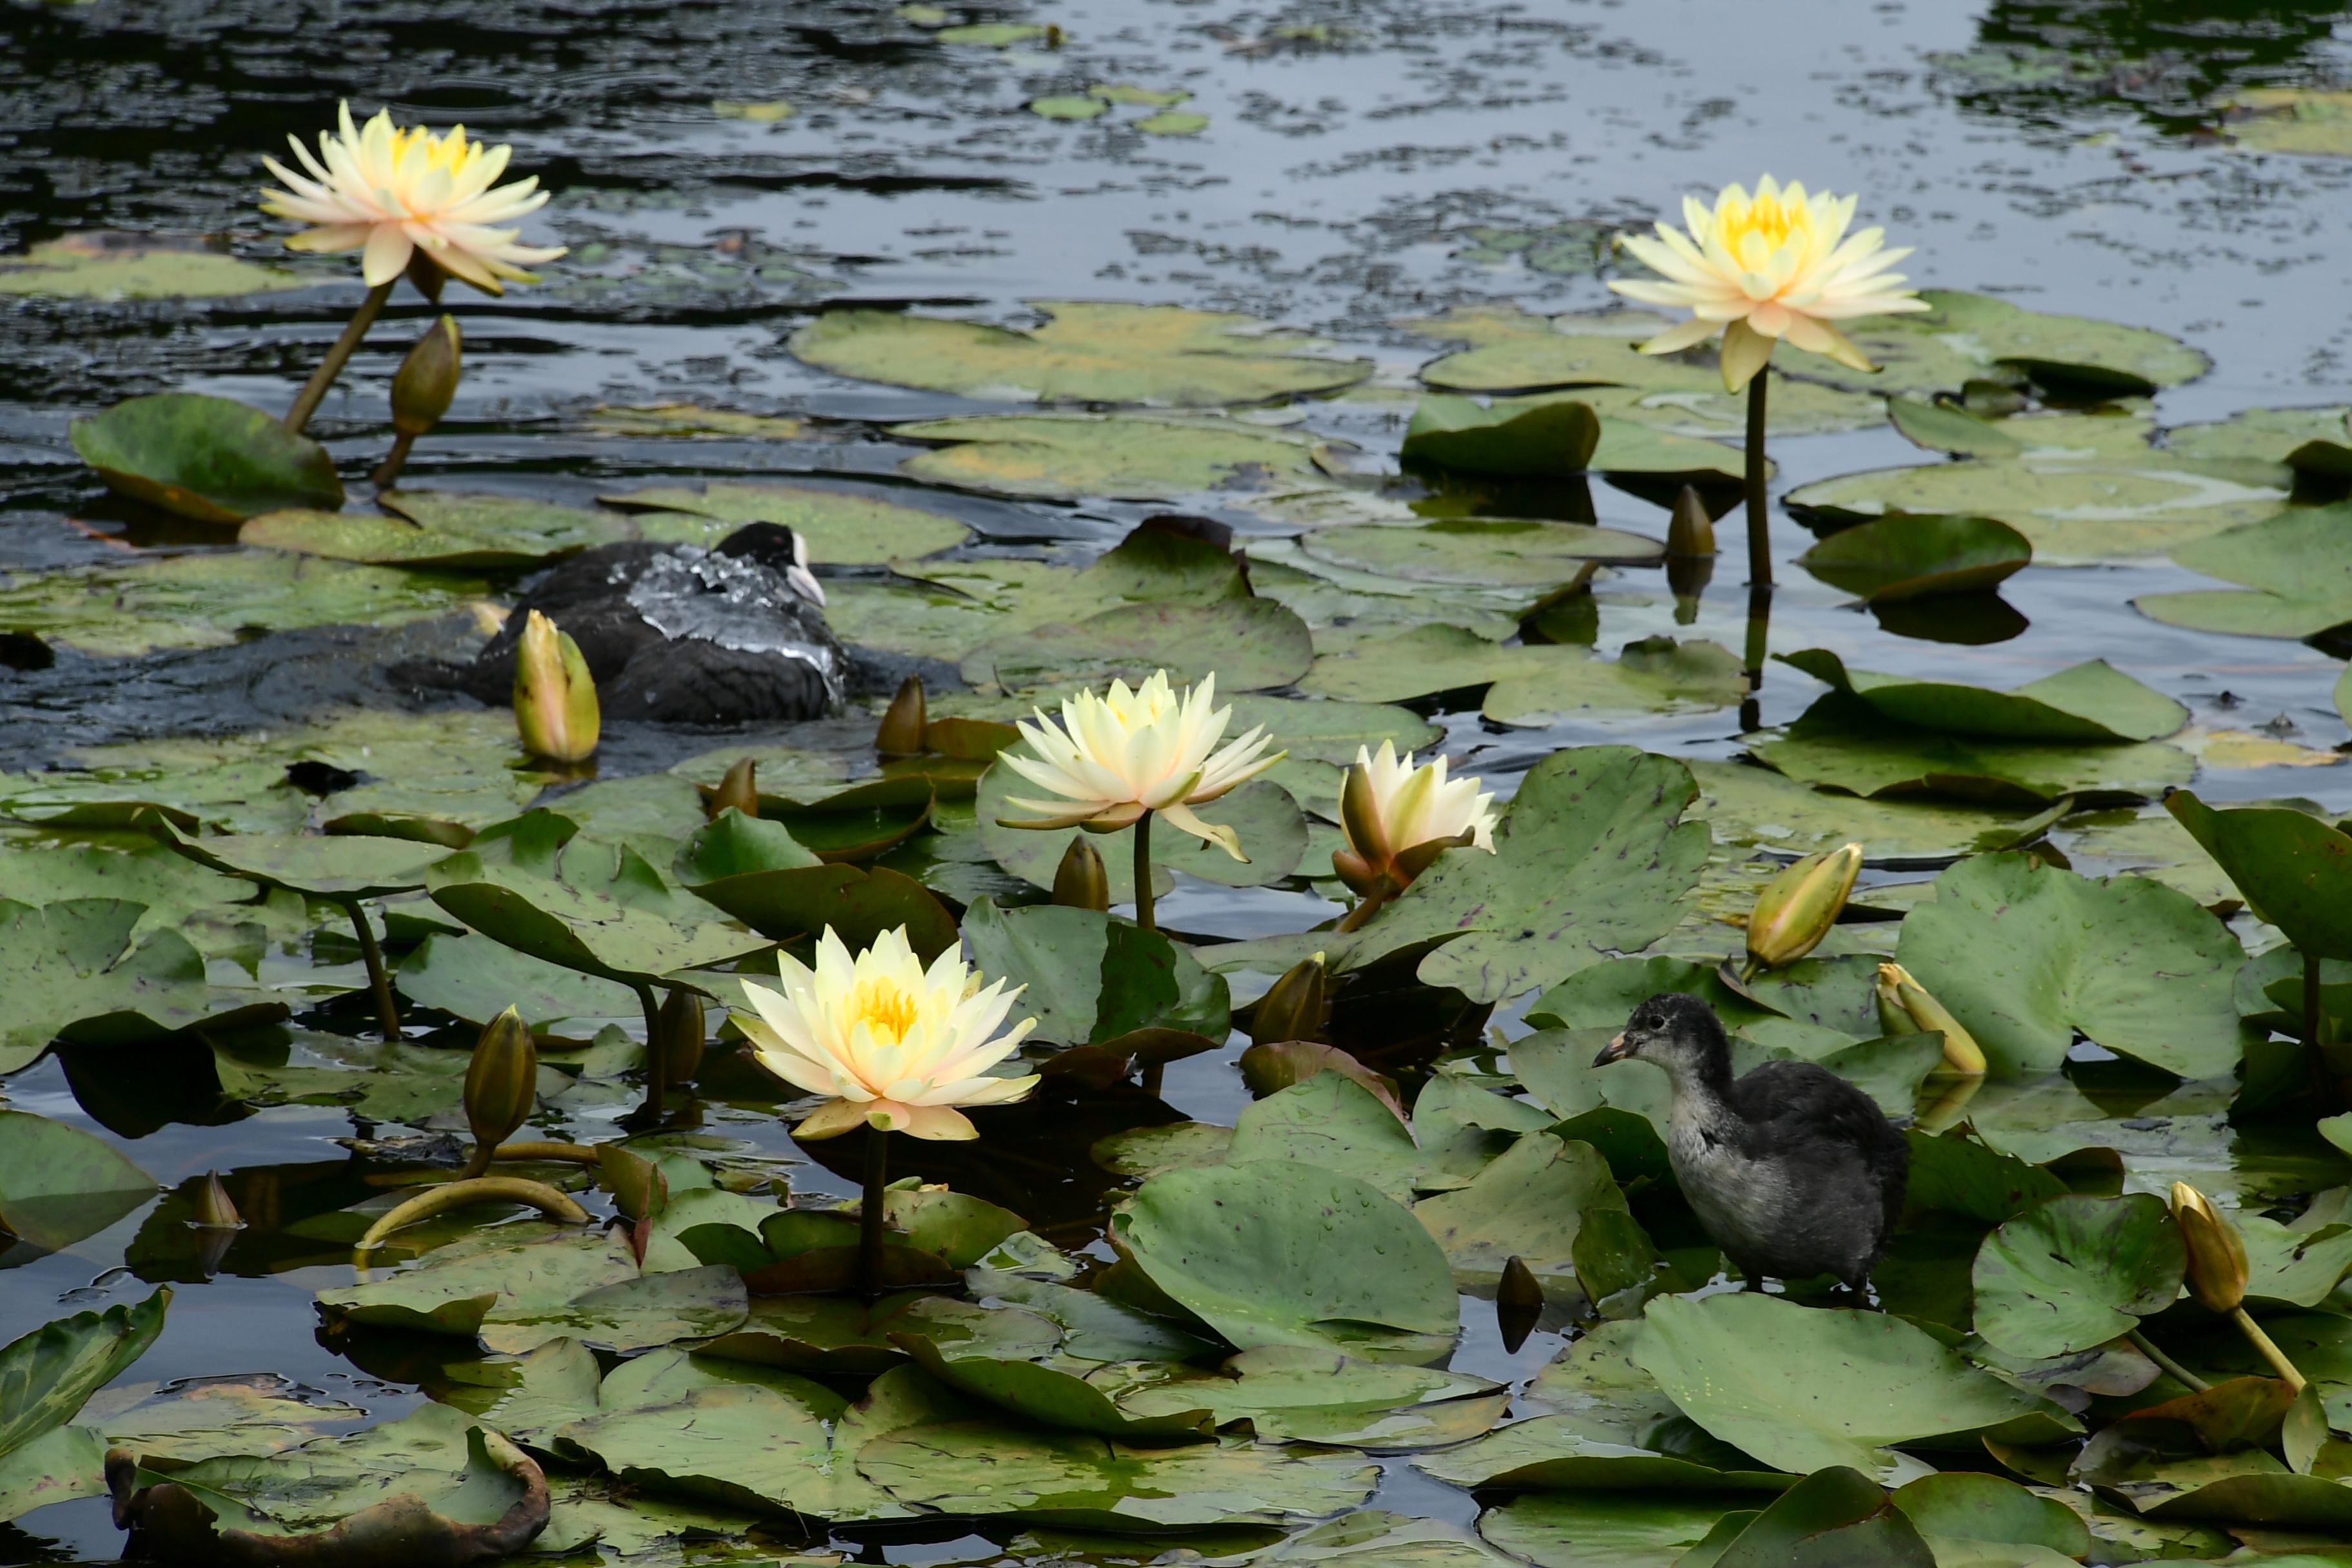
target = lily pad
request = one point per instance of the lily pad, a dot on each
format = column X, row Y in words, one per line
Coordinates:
column 1533, row 685
column 2075, row 1272
column 1528, row 1204
column 755, row 870
column 1086, row 977
column 342, row 868
column 1755, row 807
column 440, row 530
column 1606, row 1528
column 1271, row 1253
column 1972, row 1506
column 51, row 1371
column 2088, row 702
column 2308, row 122
column 1841, row 1387
column 1833, row 1515
column 1489, row 552
column 519, row 1273
column 213, row 600
column 69, row 970
column 211, row 458
column 842, row 527
column 1250, row 645
column 1118, row 456
column 1160, row 355
column 1961, row 336
column 1846, row 745
column 1907, row 555
column 107, row 265
column 2297, row 566
column 2290, row 864
column 1549, row 438
column 1052, row 1397
column 1572, row 1453
column 2024, row 954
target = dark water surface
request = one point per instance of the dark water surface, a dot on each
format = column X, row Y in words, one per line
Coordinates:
column 1364, row 162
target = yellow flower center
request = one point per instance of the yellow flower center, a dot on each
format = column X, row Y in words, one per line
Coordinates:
column 886, row 1007
column 1766, row 217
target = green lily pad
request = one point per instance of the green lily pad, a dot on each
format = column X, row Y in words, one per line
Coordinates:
column 1290, row 1393
column 1086, row 977
column 2024, row 954
column 342, row 868
column 1173, row 122
column 1118, row 456
column 1573, row 1453
column 455, row 1290
column 2308, row 122
column 69, row 970
column 204, row 1418
column 1160, row 355
column 2296, row 565
column 1530, row 1204
column 1489, row 551
column 107, row 265
column 1547, row 438
column 1606, row 1528
column 842, row 527
column 1845, row 745
column 1067, row 108
column 1263, row 815
column 1833, row 1515
column 1336, row 1123
column 211, row 458
column 631, row 1314
column 840, row 1335
column 1052, row 1397
column 1841, row 1386
column 857, row 824
column 1754, row 806
column 212, row 600
column 440, row 530
column 1250, row 645
column 1277, row 1254
column 1082, row 1482
column 63, row 1464
column 1533, row 685
column 2290, row 864
column 2075, row 1272
column 51, row 1371
column 2088, row 702
column 1908, row 556
column 1962, row 1505
column 1961, row 336
column 755, row 870
column 988, row 35
column 581, row 904
column 132, row 867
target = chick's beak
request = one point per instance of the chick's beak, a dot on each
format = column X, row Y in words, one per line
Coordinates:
column 1616, row 1050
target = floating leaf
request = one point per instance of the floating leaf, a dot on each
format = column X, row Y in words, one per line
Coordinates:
column 1909, row 556
column 2296, row 563
column 2290, row 864
column 1051, row 1397
column 1846, row 745
column 519, row 1274
column 1086, row 977
column 2088, row 702
column 210, row 459
column 1250, row 645
column 1117, row 456
column 1162, row 356
column 1753, row 806
column 1526, row 685
column 1530, row 1204
column 1834, row 1515
column 1841, row 1387
column 1960, row 336
column 1173, row 122
column 755, row 870
column 1289, row 1393
column 1272, row 1253
column 103, row 264
column 1962, row 1505
column 2024, row 954
column 1550, row 438
column 1569, row 1453
column 2306, row 120
column 1067, row 108
column 1605, row 1529
column 842, row 527
column 69, row 971
column 340, row 868
column 1496, row 553
column 50, row 1373
column 2075, row 1272
column 440, row 530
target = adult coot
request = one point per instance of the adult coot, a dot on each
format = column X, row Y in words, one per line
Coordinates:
column 1793, row 1171
column 688, row 635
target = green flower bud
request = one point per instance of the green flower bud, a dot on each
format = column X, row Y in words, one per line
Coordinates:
column 213, row 1209
column 1690, row 532
column 425, row 383
column 502, row 1080
column 900, row 733
column 1905, row 1007
column 740, row 789
column 1797, row 908
column 2217, row 1257
column 554, row 695
column 1080, row 882
column 1294, row 1008
column 678, row 1034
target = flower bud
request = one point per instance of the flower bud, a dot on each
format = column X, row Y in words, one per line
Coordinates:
column 1905, row 1007
column 900, row 733
column 213, row 1208
column 1080, row 882
column 740, row 789
column 2217, row 1257
column 502, row 1080
column 1294, row 1007
column 1690, row 532
column 554, row 695
column 679, row 1035
column 1797, row 908
column 427, row 381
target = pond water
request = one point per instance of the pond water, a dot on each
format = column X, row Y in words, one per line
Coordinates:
column 1359, row 164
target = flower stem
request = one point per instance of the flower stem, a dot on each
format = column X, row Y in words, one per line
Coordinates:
column 1759, row 536
column 2271, row 1352
column 1143, row 873
column 388, row 474
column 657, row 1067
column 314, row 392
column 2314, row 1042
column 387, row 1012
column 2179, row 1373
column 1366, row 908
column 485, row 1190
column 871, row 1212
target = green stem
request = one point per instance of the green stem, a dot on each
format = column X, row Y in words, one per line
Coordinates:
column 387, row 1012
column 2314, row 1044
column 314, row 391
column 2271, row 1352
column 657, row 1068
column 457, row 1194
column 2179, row 1373
column 1366, row 908
column 1143, row 873
column 388, row 474
column 1759, row 534
column 870, row 1214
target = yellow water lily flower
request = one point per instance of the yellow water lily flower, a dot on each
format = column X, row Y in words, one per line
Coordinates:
column 1129, row 751
column 1397, row 817
column 897, row 1045
column 389, row 191
column 1758, row 268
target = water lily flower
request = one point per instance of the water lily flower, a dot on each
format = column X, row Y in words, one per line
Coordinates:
column 1397, row 817
column 1796, row 910
column 1779, row 264
column 2217, row 1273
column 1127, row 753
column 389, row 191
column 898, row 1047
